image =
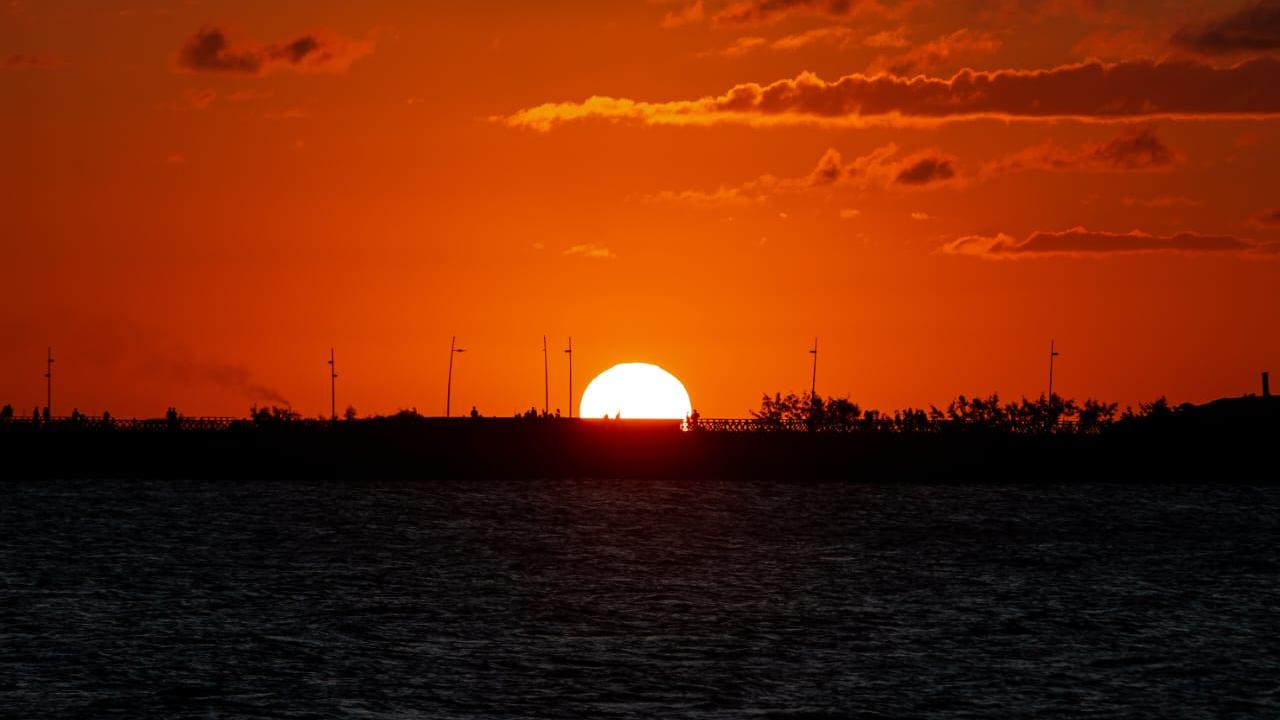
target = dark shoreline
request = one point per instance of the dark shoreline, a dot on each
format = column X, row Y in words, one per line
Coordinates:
column 1232, row 442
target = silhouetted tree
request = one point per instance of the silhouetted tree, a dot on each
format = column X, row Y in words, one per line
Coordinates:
column 349, row 414
column 1095, row 416
column 271, row 415
column 812, row 412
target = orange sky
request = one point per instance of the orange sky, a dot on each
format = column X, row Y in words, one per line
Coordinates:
column 198, row 199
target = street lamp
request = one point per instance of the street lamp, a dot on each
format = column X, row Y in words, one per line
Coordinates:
column 448, row 398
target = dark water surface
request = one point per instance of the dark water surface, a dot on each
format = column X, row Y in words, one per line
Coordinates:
column 637, row 599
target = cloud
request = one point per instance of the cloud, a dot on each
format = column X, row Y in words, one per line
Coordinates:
column 1134, row 150
column 896, row 38
column 742, row 46
column 1253, row 28
column 690, row 13
column 1138, row 149
column 591, row 250
column 1092, row 91
column 1161, row 201
column 1080, row 242
column 1268, row 218
column 28, row 61
column 925, row 170
column 749, row 12
column 835, row 35
column 879, row 168
column 210, row 51
column 186, row 368
column 921, row 216
column 963, row 42
column 849, row 213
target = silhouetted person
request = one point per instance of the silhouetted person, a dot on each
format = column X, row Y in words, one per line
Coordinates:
column 474, row 413
column 35, row 415
column 557, row 412
column 46, row 413
column 6, row 412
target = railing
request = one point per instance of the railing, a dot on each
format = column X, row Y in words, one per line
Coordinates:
column 877, row 424
column 717, row 425
column 743, row 425
column 93, row 422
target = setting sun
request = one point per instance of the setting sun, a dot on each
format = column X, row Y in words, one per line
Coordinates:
column 636, row 391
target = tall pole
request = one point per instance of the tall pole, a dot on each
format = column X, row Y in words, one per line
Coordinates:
column 546, row 380
column 813, row 383
column 333, row 397
column 1053, row 353
column 570, row 351
column 448, row 398
column 48, row 382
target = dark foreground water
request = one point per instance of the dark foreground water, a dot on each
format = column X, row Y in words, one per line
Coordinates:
column 637, row 599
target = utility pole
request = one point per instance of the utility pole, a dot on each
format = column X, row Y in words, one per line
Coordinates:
column 333, row 378
column 1053, row 353
column 448, row 398
column 546, row 380
column 48, row 383
column 570, row 352
column 813, row 383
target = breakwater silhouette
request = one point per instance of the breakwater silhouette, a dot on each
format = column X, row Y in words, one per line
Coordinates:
column 1227, row 440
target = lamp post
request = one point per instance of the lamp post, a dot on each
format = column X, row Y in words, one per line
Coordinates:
column 333, row 379
column 546, row 380
column 813, row 382
column 570, row 353
column 1053, row 353
column 48, row 383
column 448, row 398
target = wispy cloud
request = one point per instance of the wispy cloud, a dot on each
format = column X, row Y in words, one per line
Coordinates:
column 1092, row 91
column 209, row 50
column 1137, row 149
column 684, row 15
column 1080, row 242
column 1250, row 29
column 1268, row 218
column 881, row 167
column 30, row 61
column 927, row 56
column 1161, row 201
column 591, row 250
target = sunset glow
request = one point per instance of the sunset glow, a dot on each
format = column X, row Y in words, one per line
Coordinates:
column 200, row 200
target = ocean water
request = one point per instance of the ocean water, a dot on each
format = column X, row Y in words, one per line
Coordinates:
column 610, row 599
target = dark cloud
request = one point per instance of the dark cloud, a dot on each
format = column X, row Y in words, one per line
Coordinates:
column 184, row 367
column 1138, row 149
column 210, row 51
column 880, row 168
column 746, row 12
column 1080, row 242
column 963, row 42
column 1268, row 218
column 1095, row 91
column 926, row 170
column 1253, row 28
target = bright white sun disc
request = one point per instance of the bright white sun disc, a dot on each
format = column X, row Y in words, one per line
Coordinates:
column 635, row 391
